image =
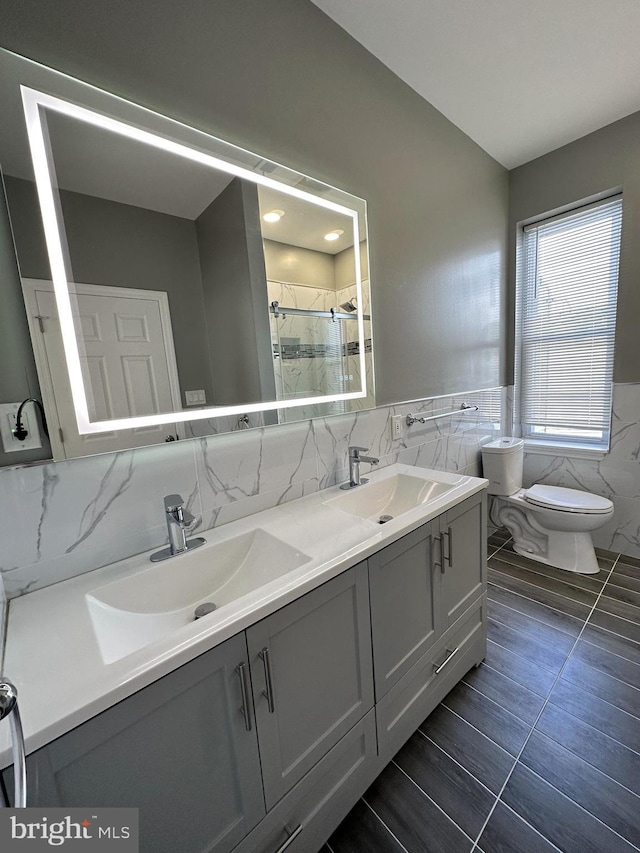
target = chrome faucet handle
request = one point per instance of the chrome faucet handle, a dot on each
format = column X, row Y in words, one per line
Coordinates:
column 173, row 502
column 354, row 455
column 174, row 507
column 179, row 523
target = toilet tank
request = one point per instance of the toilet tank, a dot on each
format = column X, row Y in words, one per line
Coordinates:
column 502, row 465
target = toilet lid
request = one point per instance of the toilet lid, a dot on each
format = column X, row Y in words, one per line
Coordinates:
column 567, row 500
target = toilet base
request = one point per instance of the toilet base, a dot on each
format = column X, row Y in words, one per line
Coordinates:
column 572, row 551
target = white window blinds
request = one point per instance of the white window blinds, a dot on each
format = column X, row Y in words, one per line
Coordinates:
column 567, row 317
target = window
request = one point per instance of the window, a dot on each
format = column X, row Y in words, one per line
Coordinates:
column 567, row 287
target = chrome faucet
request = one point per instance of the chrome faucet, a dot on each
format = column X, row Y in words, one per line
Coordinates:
column 179, row 523
column 355, row 458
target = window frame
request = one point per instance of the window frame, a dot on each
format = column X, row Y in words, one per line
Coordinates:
column 563, row 443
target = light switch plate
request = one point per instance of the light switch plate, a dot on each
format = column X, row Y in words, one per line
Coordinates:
column 10, row 443
column 396, row 427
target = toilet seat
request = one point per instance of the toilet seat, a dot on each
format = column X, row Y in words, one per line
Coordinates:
column 560, row 499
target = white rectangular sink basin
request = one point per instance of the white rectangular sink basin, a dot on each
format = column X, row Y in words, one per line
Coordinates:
column 139, row 609
column 392, row 497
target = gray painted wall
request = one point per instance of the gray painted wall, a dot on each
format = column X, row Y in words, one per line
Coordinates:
column 345, row 266
column 234, row 284
column 605, row 160
column 124, row 246
column 285, row 81
column 18, row 377
column 295, row 265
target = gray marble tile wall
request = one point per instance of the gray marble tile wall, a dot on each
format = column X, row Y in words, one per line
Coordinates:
column 616, row 476
column 65, row 518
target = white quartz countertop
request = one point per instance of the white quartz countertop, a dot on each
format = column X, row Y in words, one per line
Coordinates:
column 52, row 654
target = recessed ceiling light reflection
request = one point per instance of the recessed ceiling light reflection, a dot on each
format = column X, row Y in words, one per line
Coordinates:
column 273, row 216
column 334, row 235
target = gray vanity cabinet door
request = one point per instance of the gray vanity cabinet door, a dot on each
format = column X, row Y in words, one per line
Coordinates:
column 312, row 677
column 179, row 750
column 403, row 607
column 464, row 561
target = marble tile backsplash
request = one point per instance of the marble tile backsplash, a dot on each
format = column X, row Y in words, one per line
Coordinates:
column 616, row 476
column 66, row 518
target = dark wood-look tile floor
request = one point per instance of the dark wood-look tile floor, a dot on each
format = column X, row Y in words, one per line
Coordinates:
column 537, row 750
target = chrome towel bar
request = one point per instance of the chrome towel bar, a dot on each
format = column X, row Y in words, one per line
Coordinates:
column 9, row 708
column 422, row 419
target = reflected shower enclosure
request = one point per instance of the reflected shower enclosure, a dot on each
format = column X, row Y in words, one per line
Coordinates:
column 316, row 347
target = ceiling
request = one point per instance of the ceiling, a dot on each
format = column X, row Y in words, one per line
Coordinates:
column 520, row 78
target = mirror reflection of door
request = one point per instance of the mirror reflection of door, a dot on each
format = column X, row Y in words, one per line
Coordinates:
column 127, row 358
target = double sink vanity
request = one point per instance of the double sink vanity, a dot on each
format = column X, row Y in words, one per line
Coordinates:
column 258, row 726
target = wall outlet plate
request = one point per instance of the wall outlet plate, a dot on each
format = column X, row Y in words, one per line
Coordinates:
column 10, row 443
column 195, row 398
column 396, row 427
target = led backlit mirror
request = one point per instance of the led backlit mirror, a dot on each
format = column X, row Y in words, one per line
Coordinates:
column 175, row 285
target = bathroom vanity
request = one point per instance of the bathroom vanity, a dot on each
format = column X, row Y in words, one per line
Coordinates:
column 258, row 727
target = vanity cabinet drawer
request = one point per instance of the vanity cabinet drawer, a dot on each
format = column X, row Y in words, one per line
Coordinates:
column 312, row 678
column 412, row 699
column 303, row 820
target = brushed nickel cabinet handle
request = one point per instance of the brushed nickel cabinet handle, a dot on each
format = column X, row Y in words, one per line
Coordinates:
column 436, row 563
column 241, row 669
column 447, row 660
column 446, row 555
column 268, row 693
column 296, row 832
column 450, row 548
column 443, row 553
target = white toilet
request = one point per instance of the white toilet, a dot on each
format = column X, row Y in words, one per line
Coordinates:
column 550, row 524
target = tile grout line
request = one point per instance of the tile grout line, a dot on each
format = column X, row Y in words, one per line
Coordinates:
column 503, row 707
column 540, row 586
column 530, row 825
column 391, row 833
column 604, row 701
column 476, row 729
column 550, row 577
column 586, row 761
column 528, row 616
column 489, row 699
column 540, row 713
column 456, row 762
column 491, row 617
column 540, row 603
column 568, row 615
column 491, row 582
column 614, row 654
column 518, row 683
column 518, row 655
column 582, row 808
column 496, row 584
column 615, row 615
column 608, row 675
column 431, row 800
column 526, row 723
